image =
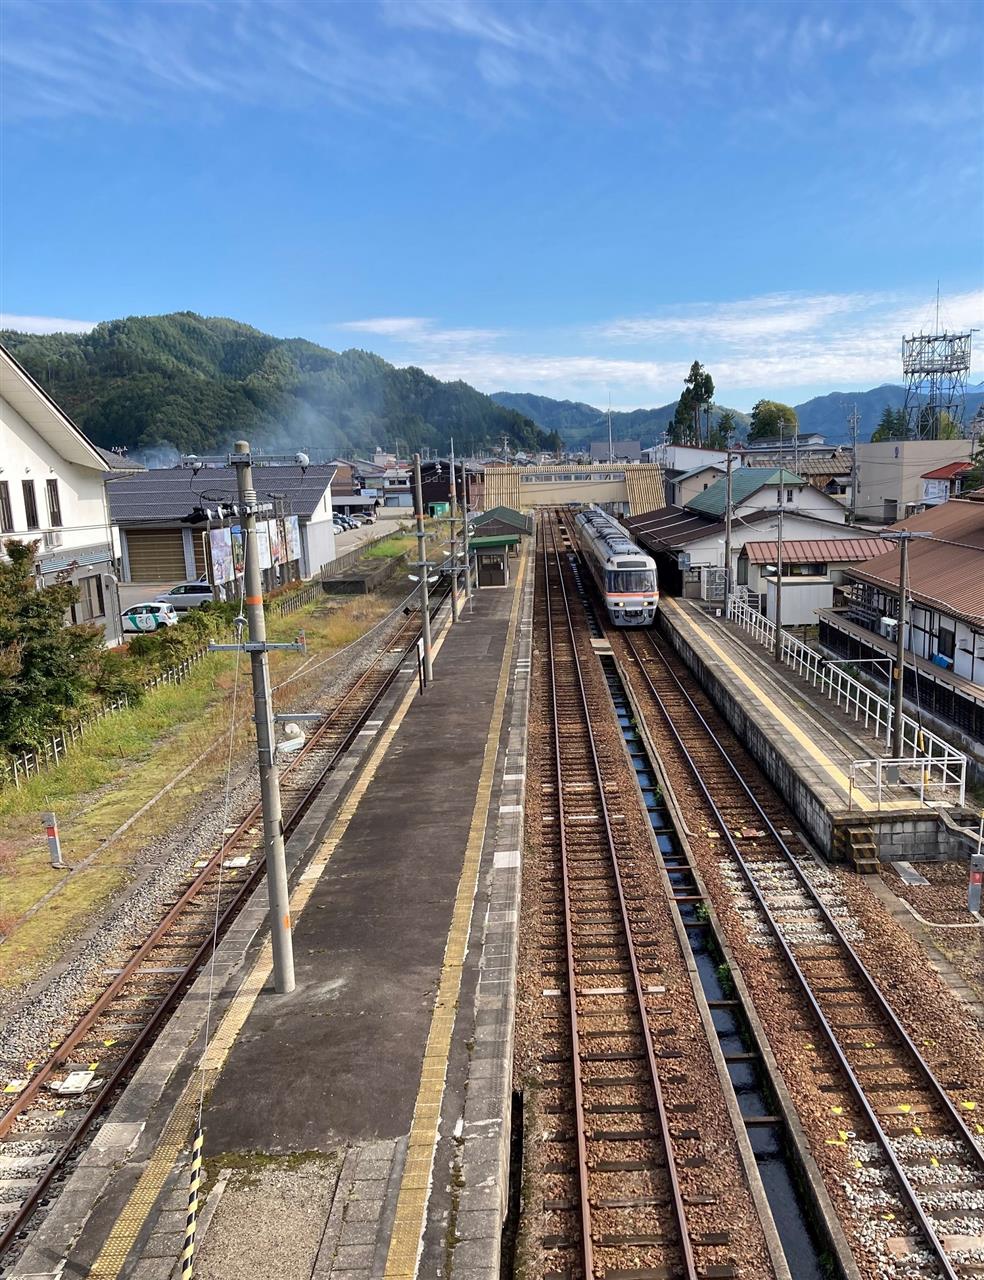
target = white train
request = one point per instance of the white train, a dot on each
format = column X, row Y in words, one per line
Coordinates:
column 625, row 576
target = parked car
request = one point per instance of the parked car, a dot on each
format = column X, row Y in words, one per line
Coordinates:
column 188, row 595
column 149, row 617
column 347, row 522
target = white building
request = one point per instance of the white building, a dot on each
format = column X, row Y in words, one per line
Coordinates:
column 52, row 491
column 890, row 474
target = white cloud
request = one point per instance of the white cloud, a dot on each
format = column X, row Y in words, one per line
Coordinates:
column 420, row 330
column 44, row 324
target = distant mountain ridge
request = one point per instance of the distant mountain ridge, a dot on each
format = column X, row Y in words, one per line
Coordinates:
column 193, row 384
column 827, row 415
column 581, row 423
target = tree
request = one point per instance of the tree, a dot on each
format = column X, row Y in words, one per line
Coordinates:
column 770, row 418
column 698, row 391
column 46, row 667
column 724, row 429
column 892, row 425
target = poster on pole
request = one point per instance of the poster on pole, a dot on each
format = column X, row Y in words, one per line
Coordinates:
column 220, row 541
column 238, row 548
column 276, row 542
column 293, row 531
column 263, row 543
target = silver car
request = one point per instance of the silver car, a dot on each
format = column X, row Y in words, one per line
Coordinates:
column 188, row 595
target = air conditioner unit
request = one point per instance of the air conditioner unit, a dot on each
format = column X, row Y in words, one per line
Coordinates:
column 52, row 539
column 888, row 627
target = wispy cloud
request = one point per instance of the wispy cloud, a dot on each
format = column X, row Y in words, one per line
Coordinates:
column 44, row 324
column 787, row 345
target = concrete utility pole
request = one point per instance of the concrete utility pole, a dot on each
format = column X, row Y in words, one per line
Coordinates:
column 423, row 569
column 273, row 826
column 455, row 609
column 855, row 421
column 778, row 649
column 727, row 535
column 464, row 532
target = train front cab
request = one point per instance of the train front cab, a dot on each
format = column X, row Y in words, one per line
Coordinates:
column 632, row 596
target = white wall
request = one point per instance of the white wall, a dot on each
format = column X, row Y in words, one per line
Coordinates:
column 801, row 598
column 806, row 500
column 318, row 537
column 892, row 471
column 25, row 455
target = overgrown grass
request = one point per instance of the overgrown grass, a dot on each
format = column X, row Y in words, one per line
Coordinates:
column 389, row 548
column 124, row 761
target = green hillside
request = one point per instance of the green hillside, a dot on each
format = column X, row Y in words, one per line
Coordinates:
column 196, row 383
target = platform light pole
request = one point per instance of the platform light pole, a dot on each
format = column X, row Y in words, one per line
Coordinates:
column 727, row 535
column 778, row 649
column 455, row 610
column 466, row 550
column 903, row 537
column 422, row 569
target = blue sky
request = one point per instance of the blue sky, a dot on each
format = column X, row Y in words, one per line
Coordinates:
column 576, row 199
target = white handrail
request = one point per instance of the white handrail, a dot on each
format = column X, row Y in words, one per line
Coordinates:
column 939, row 763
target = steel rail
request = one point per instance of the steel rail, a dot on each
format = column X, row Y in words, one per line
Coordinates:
column 909, row 1192
column 203, row 951
column 678, row 1208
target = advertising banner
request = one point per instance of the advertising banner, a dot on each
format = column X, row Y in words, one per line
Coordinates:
column 263, row 543
column 238, row 548
column 220, row 541
column 293, row 538
column 276, row 541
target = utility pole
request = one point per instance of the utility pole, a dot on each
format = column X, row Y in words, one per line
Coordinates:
column 455, row 611
column 855, row 422
column 257, row 647
column 900, row 646
column 423, row 570
column 464, row 531
column 778, row 649
column 727, row 535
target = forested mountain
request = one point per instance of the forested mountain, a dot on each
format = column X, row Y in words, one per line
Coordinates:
column 197, row 383
column 828, row 415
column 581, row 423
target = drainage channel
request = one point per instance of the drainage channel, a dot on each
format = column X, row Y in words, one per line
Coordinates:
column 794, row 1209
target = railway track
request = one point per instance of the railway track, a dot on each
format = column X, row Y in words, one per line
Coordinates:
column 616, row 1203
column 919, row 1146
column 62, row 1099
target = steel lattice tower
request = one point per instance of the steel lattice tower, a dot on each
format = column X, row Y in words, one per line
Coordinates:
column 935, row 368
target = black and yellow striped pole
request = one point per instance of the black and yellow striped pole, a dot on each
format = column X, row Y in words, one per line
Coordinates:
column 188, row 1252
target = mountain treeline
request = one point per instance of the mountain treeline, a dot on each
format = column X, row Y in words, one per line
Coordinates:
column 197, row 383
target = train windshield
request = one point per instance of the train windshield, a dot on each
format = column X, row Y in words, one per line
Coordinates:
column 629, row 580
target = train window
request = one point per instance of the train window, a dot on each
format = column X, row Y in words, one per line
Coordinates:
column 631, row 580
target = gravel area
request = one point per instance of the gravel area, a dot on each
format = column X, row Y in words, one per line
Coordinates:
column 161, row 868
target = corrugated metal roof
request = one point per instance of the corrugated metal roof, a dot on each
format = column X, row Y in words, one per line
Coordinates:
column 507, row 515
column 810, row 464
column 745, row 481
column 644, row 485
column 946, row 570
column 696, row 471
column 169, row 494
column 816, row 550
column 671, row 527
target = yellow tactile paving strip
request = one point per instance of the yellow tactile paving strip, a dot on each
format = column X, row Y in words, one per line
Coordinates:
column 411, row 1205
column 177, row 1131
column 836, row 774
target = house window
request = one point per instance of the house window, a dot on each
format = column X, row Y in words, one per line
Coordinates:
column 945, row 643
column 6, row 515
column 90, row 603
column 743, row 571
column 30, row 504
column 54, row 504
column 789, row 495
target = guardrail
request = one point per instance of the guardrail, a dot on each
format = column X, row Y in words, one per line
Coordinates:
column 938, row 764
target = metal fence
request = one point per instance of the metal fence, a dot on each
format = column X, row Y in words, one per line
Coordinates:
column 17, row 769
column 298, row 599
column 926, row 761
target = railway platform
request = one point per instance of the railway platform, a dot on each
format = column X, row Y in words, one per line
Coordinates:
column 809, row 747
column 359, row 1126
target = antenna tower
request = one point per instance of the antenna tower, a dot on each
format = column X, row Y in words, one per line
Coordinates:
column 935, row 368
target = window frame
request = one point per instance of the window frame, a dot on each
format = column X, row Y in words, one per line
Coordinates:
column 6, row 510
column 30, row 505
column 53, row 500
